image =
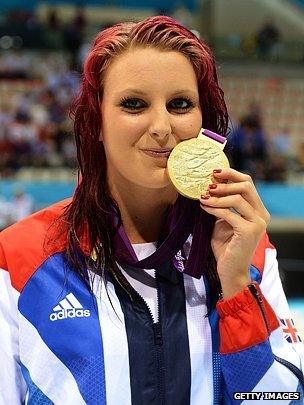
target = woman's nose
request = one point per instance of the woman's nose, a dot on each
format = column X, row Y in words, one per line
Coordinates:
column 160, row 126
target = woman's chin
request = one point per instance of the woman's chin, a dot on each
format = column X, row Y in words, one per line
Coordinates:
column 160, row 180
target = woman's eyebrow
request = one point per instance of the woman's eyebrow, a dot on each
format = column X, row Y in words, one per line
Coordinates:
column 140, row 92
column 133, row 91
column 190, row 92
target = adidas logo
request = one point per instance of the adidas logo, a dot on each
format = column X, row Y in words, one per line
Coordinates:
column 69, row 307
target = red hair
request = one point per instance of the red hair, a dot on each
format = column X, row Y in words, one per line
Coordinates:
column 162, row 33
column 89, row 211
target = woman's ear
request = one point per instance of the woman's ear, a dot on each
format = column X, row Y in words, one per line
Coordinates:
column 100, row 137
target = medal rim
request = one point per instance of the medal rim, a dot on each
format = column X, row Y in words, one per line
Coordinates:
column 176, row 150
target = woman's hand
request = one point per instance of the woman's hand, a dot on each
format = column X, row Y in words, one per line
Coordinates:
column 238, row 231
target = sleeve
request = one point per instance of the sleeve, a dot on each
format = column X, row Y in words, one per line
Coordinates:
column 12, row 385
column 260, row 349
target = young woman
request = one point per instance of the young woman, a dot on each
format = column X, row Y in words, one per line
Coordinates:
column 129, row 293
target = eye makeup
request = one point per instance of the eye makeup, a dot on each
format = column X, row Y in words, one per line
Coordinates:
column 179, row 104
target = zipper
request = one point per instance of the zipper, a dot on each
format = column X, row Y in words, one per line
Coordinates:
column 291, row 367
column 143, row 301
column 254, row 291
column 158, row 339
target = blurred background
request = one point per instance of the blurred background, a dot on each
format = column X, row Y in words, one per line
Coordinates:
column 259, row 48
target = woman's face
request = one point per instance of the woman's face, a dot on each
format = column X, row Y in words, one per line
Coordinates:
column 150, row 104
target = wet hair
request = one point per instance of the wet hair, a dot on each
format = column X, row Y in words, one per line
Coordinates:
column 89, row 214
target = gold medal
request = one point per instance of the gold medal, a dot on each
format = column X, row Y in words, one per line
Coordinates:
column 191, row 163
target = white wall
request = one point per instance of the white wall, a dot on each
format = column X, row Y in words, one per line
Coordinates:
column 243, row 17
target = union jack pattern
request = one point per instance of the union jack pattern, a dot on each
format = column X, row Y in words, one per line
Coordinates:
column 290, row 331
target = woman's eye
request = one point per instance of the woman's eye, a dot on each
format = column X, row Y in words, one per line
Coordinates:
column 132, row 104
column 180, row 104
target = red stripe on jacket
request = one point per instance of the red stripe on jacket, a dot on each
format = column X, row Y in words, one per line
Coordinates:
column 24, row 247
column 242, row 324
column 258, row 260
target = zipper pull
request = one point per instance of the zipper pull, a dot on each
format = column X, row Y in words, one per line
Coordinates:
column 158, row 338
column 255, row 292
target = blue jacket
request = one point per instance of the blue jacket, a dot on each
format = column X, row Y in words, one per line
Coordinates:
column 61, row 344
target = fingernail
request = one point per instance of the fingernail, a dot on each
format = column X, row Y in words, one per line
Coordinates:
column 212, row 186
column 217, row 170
column 205, row 197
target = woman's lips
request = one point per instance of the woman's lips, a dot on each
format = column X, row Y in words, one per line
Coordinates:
column 157, row 154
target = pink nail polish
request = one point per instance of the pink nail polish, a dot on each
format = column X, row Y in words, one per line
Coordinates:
column 212, row 186
column 217, row 170
column 205, row 197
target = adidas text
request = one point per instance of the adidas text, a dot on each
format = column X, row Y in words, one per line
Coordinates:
column 70, row 313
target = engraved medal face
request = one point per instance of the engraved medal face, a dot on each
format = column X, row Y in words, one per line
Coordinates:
column 191, row 164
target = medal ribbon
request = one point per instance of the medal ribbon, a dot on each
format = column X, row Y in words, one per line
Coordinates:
column 184, row 218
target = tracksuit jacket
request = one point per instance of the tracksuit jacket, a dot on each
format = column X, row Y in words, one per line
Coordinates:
column 62, row 344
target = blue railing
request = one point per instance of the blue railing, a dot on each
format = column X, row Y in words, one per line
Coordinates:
column 166, row 5
column 280, row 199
column 43, row 193
column 299, row 3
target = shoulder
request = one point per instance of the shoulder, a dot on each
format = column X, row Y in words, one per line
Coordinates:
column 22, row 245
